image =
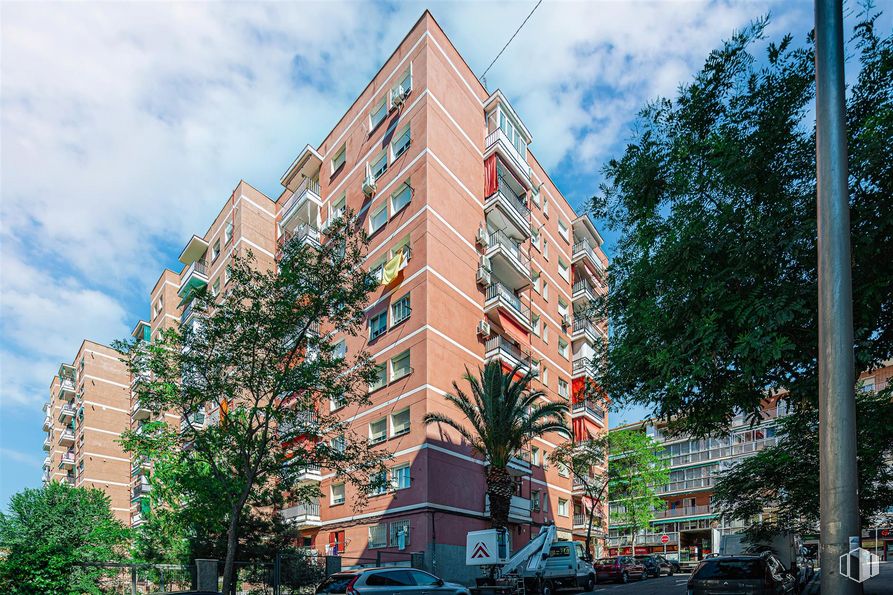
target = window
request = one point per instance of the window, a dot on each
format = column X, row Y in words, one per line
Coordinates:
column 563, row 471
column 545, row 333
column 377, row 270
column 545, row 248
column 400, row 530
column 215, row 288
column 400, row 366
column 563, row 388
column 400, row 143
column 378, row 219
column 379, row 165
column 562, row 229
column 544, row 376
column 400, row 423
column 337, row 208
column 378, row 431
column 378, row 114
column 536, row 281
column 545, row 291
column 339, row 158
column 545, row 206
column 535, row 196
column 227, row 273
column 228, row 232
column 400, row 478
column 401, row 198
column 535, row 500
column 381, row 378
column 535, row 238
column 535, row 323
column 340, row 349
column 156, row 309
column 337, row 494
column 564, row 270
column 378, row 324
column 379, row 483
column 563, row 309
column 534, row 455
column 563, row 348
column 404, row 82
column 378, row 536
column 338, row 443
column 400, row 310
column 215, row 250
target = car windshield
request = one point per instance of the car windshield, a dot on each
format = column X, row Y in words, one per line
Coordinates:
column 729, row 569
column 607, row 561
column 337, row 583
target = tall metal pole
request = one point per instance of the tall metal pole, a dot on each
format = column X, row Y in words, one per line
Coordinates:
column 838, row 478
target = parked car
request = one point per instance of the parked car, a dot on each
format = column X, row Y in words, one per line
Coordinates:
column 654, row 566
column 620, row 569
column 674, row 565
column 754, row 575
column 380, row 581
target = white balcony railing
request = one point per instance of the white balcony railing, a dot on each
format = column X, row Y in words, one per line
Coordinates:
column 518, row 160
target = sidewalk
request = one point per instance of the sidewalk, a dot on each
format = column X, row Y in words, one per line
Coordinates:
column 882, row 584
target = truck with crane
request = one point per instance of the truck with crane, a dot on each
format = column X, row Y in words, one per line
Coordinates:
column 540, row 567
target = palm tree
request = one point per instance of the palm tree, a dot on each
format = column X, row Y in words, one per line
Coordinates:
column 502, row 415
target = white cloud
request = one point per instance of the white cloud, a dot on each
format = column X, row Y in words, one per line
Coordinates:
column 125, row 125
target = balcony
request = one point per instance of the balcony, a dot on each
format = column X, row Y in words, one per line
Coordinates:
column 305, row 235
column 585, row 253
column 310, row 474
column 589, row 409
column 684, row 511
column 498, row 348
column 141, row 489
column 303, row 515
column 136, row 519
column 688, row 485
column 581, row 521
column 47, row 443
column 507, row 260
column 583, row 366
column 47, row 423
column 501, row 298
column 507, row 210
column 140, row 410
column 67, row 460
column 519, row 465
column 67, row 437
column 66, row 388
column 584, row 292
column 66, row 412
column 721, row 452
column 196, row 420
column 195, row 277
column 585, row 329
column 519, row 509
column 69, row 479
column 302, row 207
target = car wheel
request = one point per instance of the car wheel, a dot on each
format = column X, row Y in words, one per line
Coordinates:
column 643, row 576
column 589, row 584
column 670, row 572
column 624, row 578
column 548, row 588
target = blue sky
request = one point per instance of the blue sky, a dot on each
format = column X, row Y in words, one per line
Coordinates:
column 125, row 126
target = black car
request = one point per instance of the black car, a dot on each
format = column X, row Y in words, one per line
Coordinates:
column 755, row 575
column 654, row 566
column 674, row 565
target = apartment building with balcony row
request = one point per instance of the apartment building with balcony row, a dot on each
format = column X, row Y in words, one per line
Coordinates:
column 87, row 409
column 481, row 259
column 690, row 520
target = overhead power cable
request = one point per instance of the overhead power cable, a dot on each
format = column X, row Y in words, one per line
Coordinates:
column 524, row 22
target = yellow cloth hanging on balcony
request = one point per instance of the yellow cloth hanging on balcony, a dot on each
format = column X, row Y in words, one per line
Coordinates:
column 392, row 268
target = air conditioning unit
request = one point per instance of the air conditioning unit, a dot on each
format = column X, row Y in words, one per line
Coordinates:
column 483, row 237
column 535, row 369
column 565, row 321
column 400, row 95
column 484, row 328
column 485, row 263
column 483, row 276
column 369, row 182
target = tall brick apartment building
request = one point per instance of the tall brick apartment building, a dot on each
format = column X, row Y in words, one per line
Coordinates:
column 492, row 261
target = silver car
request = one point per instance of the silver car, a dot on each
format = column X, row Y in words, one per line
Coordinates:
column 380, row 581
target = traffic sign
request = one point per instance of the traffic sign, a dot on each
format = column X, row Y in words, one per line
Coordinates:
column 664, row 538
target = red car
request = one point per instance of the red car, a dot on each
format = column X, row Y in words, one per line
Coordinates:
column 620, row 569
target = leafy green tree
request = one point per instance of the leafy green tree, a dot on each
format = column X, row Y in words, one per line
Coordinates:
column 713, row 299
column 49, row 531
column 500, row 416
column 257, row 355
column 783, row 480
column 636, row 469
column 588, row 461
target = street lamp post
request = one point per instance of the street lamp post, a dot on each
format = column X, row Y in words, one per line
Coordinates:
column 838, row 478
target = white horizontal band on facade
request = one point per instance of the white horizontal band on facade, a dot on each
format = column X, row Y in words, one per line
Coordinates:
column 113, row 483
column 106, row 407
column 112, row 382
column 102, row 456
column 165, row 282
column 100, row 354
column 92, row 429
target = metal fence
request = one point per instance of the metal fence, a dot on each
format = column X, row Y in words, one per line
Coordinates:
column 142, row 579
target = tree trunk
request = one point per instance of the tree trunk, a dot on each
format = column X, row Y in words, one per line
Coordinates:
column 500, row 488
column 589, row 530
column 232, row 540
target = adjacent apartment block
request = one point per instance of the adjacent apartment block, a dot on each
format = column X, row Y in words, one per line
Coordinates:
column 492, row 262
column 246, row 222
column 88, row 408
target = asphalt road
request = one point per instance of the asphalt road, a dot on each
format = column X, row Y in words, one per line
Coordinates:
column 665, row 585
